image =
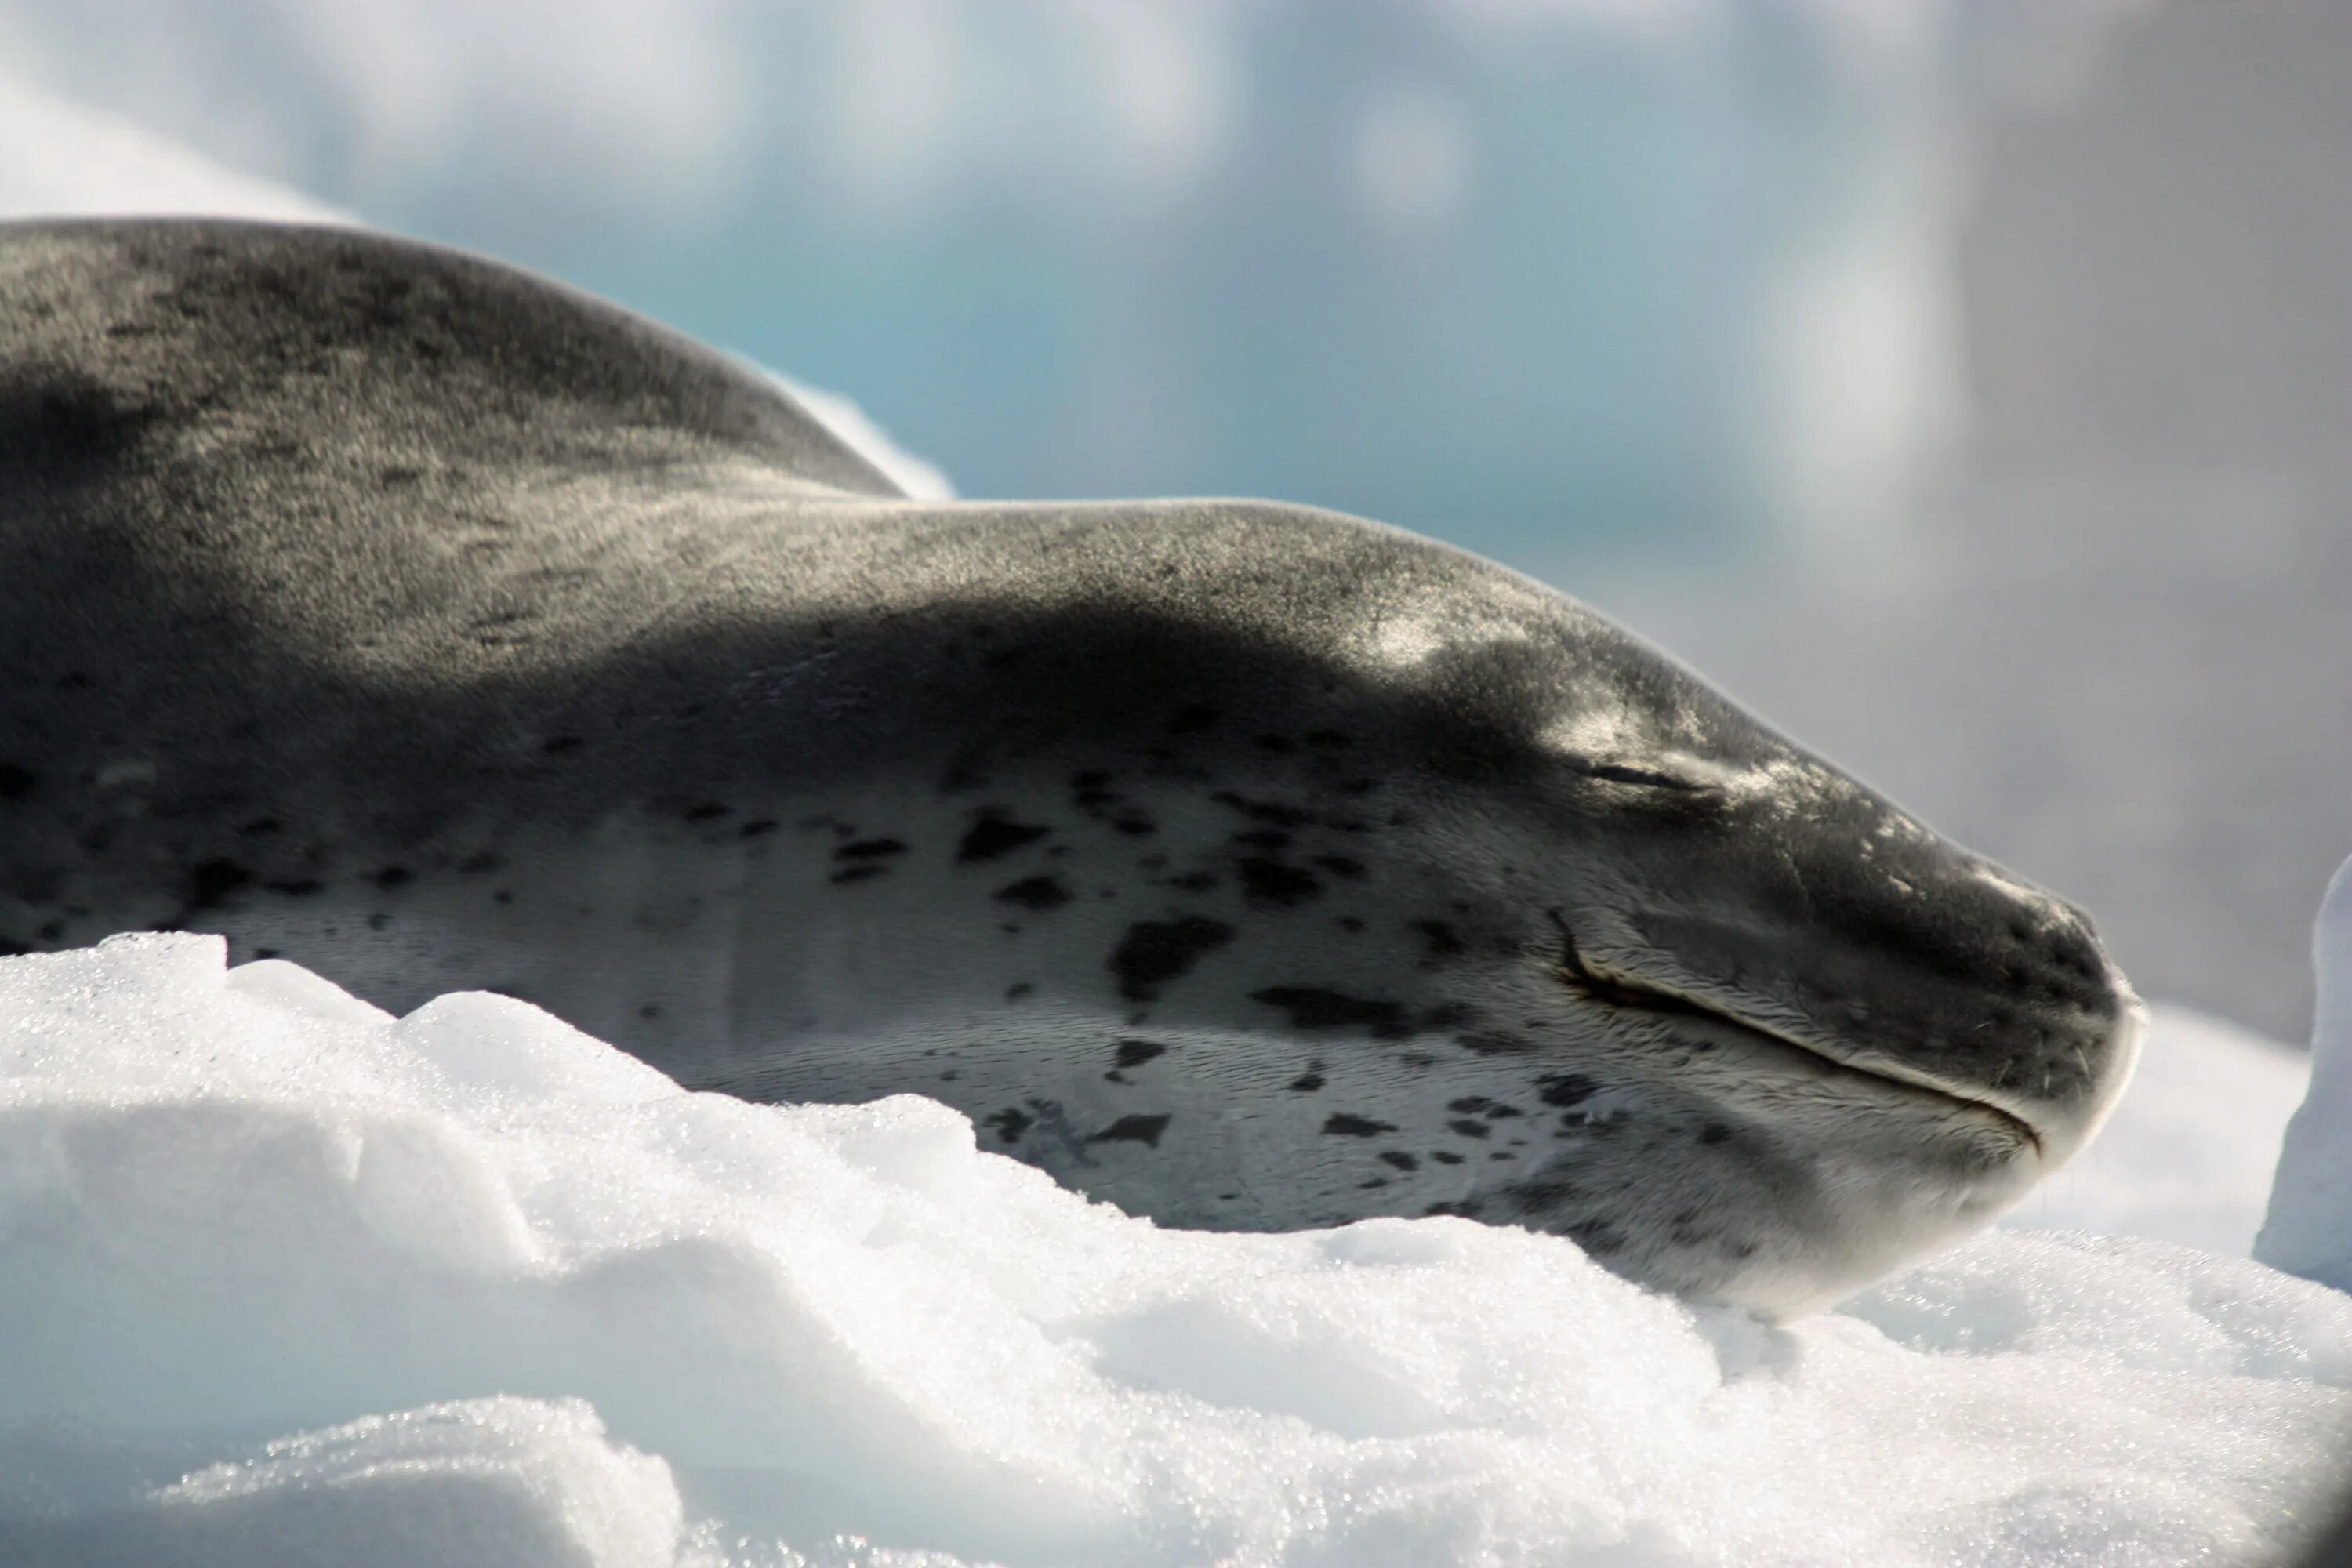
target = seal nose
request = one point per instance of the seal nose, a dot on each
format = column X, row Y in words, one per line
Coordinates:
column 2067, row 1023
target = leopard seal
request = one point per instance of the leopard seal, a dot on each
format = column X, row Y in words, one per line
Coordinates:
column 434, row 626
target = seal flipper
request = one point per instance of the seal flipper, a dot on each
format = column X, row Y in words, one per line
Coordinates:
column 258, row 326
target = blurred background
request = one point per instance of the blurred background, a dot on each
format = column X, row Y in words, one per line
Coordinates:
column 1967, row 385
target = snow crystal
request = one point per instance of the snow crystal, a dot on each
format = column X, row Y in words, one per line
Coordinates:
column 286, row 1278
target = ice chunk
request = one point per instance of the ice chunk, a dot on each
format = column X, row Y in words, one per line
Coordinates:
column 2309, row 1228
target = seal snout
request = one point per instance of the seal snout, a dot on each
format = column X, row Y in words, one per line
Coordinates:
column 1971, row 982
column 1917, row 963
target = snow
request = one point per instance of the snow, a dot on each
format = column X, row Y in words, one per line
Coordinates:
column 288, row 1279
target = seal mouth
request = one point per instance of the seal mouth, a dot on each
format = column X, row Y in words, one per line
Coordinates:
column 1617, row 990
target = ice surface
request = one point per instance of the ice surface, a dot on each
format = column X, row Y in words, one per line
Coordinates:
column 285, row 1279
column 2309, row 1229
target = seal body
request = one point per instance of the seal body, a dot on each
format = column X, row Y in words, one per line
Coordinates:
column 434, row 627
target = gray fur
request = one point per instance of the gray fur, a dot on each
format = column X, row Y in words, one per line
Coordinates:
column 1245, row 864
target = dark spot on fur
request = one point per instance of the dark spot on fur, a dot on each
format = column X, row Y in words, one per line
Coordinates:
column 15, row 783
column 65, row 430
column 1492, row 1044
column 1268, row 811
column 857, row 873
column 1445, row 1159
column 1545, row 1193
column 1340, row 865
column 869, row 849
column 708, row 811
column 299, row 886
column 477, row 865
column 1193, row 881
column 1143, row 1130
column 1134, row 824
column 1401, row 1161
column 1312, row 1007
column 392, row 877
column 1307, row 1083
column 1469, row 1129
column 261, row 953
column 1034, row 893
column 1442, row 943
column 1468, row 1103
column 1010, row 1124
column 1272, row 840
column 1154, row 953
column 1267, row 881
column 1280, row 745
column 755, row 829
column 261, row 826
column 1192, row 719
column 214, row 880
column 994, row 834
column 1018, row 991
column 1346, row 1126
column 1714, row 1132
column 562, row 745
column 650, row 1010
column 1561, row 1090
column 1349, row 925
column 1135, row 1053
column 50, row 930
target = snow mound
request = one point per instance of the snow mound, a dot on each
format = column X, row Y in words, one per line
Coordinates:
column 285, row 1279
